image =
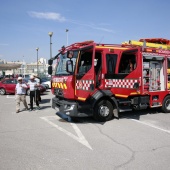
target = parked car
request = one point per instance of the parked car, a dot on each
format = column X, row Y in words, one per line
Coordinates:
column 45, row 85
column 8, row 85
column 46, row 81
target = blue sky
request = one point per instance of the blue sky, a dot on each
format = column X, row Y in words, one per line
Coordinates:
column 24, row 24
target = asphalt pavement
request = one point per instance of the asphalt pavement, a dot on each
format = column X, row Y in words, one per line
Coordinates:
column 45, row 140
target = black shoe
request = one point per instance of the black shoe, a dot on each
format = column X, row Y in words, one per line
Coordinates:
column 38, row 108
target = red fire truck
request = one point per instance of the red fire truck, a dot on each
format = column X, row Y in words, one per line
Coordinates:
column 103, row 80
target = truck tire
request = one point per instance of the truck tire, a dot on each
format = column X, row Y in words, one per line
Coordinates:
column 2, row 91
column 103, row 111
column 166, row 104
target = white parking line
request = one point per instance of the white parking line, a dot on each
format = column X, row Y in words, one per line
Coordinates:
column 151, row 125
column 10, row 97
column 80, row 137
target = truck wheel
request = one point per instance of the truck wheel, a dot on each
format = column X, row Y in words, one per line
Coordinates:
column 103, row 111
column 166, row 105
column 2, row 91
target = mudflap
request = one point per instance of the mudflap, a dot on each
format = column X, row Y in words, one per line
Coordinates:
column 115, row 108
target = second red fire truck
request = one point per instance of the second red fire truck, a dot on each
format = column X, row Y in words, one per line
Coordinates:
column 103, row 80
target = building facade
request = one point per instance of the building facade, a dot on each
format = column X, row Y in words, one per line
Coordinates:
column 22, row 68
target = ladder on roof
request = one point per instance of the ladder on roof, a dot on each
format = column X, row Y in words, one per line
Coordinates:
column 152, row 42
column 79, row 44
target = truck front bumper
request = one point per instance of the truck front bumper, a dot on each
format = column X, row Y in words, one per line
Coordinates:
column 71, row 108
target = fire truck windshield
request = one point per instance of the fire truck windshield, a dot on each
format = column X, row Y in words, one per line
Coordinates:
column 61, row 64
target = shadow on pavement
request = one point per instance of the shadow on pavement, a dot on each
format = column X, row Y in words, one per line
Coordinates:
column 136, row 114
column 125, row 115
column 45, row 101
column 44, row 107
column 68, row 119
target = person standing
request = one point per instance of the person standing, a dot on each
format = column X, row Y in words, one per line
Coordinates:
column 20, row 92
column 33, row 95
column 38, row 80
column 130, row 66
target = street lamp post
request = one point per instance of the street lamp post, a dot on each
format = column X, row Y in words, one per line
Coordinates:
column 50, row 34
column 67, row 35
column 37, row 59
column 23, row 65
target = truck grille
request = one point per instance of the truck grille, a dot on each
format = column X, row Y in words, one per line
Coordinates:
column 58, row 92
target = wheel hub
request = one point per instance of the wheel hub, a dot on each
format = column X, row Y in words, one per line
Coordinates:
column 104, row 111
column 1, row 91
column 167, row 104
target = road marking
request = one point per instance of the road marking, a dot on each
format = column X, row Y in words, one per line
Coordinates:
column 10, row 97
column 79, row 138
column 151, row 125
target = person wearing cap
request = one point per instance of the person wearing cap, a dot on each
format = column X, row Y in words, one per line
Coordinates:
column 37, row 79
column 20, row 92
column 33, row 96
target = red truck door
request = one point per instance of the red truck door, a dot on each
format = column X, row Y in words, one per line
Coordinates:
column 126, row 79
column 84, row 79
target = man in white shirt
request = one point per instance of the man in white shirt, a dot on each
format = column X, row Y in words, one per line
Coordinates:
column 37, row 79
column 20, row 91
column 33, row 87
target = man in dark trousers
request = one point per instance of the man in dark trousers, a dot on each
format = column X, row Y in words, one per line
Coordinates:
column 33, row 95
column 38, row 80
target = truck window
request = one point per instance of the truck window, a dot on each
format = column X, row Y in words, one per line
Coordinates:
column 168, row 63
column 98, row 62
column 85, row 62
column 111, row 60
column 61, row 64
column 168, row 67
column 127, row 63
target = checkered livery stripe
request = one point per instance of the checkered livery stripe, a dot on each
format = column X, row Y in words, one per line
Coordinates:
column 151, row 54
column 154, row 54
column 84, row 84
column 120, row 83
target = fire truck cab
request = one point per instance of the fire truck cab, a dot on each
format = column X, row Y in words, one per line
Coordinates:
column 103, row 80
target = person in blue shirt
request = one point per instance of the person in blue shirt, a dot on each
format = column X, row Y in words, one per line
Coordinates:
column 20, row 92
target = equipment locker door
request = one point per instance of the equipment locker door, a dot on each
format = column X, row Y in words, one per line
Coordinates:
column 168, row 73
column 156, row 76
column 153, row 73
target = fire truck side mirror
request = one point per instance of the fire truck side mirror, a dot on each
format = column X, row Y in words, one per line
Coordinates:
column 69, row 66
column 50, row 62
column 50, row 70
